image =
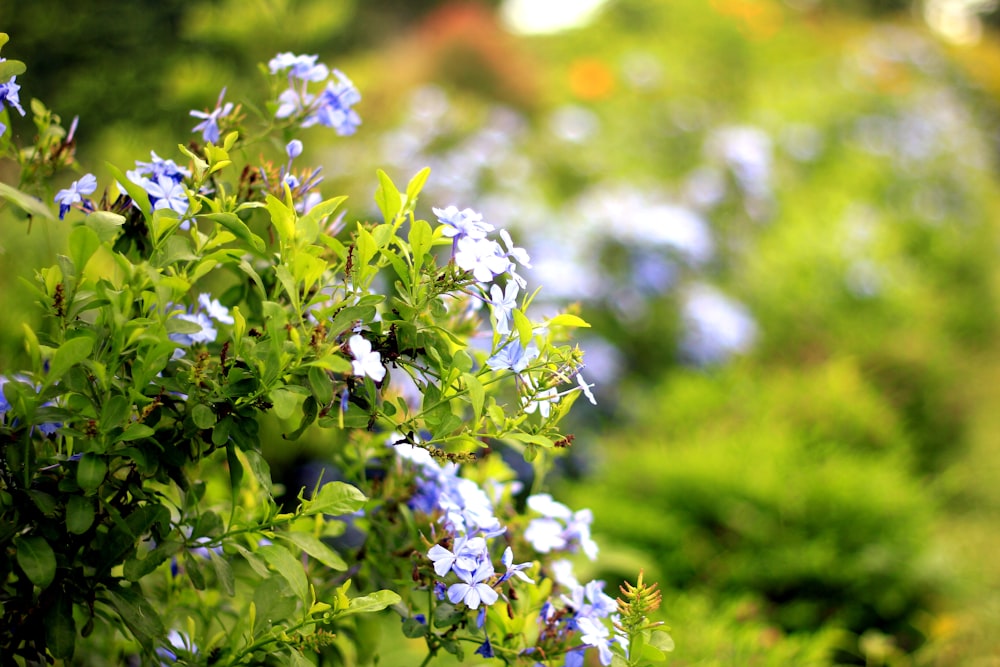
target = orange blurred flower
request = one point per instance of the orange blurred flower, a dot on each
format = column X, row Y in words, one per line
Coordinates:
column 591, row 79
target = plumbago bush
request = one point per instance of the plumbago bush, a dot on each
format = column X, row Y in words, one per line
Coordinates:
column 206, row 299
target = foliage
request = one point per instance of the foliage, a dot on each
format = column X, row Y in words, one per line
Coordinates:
column 827, row 526
column 199, row 303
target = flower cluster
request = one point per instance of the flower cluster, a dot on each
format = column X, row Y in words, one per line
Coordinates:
column 331, row 107
column 163, row 181
column 463, row 556
column 10, row 97
column 305, row 337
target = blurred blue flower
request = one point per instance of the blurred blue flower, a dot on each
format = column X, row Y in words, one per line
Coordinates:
column 486, row 649
column 86, row 185
column 209, row 127
column 715, row 326
column 334, row 106
column 9, row 95
column 303, row 67
column 595, row 633
column 214, row 309
column 207, row 333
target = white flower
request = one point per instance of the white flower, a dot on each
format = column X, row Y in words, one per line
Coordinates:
column 585, row 388
column 502, row 303
column 483, row 257
column 365, row 361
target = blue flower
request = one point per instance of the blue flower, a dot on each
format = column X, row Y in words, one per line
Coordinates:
column 483, row 257
column 514, row 570
column 594, row 633
column 209, row 127
column 9, row 94
column 468, row 554
column 473, row 590
column 207, row 333
column 334, row 106
column 486, row 650
column 214, row 309
column 165, row 192
column 293, row 149
column 502, row 303
column 86, row 185
column 303, row 68
column 4, row 403
column 513, row 357
column 156, row 168
column 462, row 223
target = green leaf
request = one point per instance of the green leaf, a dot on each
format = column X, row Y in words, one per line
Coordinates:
column 661, row 640
column 333, row 363
column 256, row 564
column 321, row 384
column 531, row 438
column 9, row 68
column 105, row 223
column 203, row 416
column 60, row 629
column 114, row 412
column 223, row 573
column 26, row 202
column 322, row 210
column 282, row 217
column 36, row 558
column 376, row 601
column 83, row 243
column 335, row 498
column 136, row 568
column 79, row 514
column 290, row 568
column 139, row 196
column 387, row 197
column 461, row 361
column 138, row 615
column 260, row 469
column 31, row 346
column 316, row 548
column 68, row 355
column 523, row 326
column 296, row 659
column 285, row 401
column 477, row 394
column 238, row 228
column 135, row 431
column 567, row 320
column 91, row 471
column 415, row 185
column 420, row 239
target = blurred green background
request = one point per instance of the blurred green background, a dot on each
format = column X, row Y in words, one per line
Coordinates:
column 781, row 218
